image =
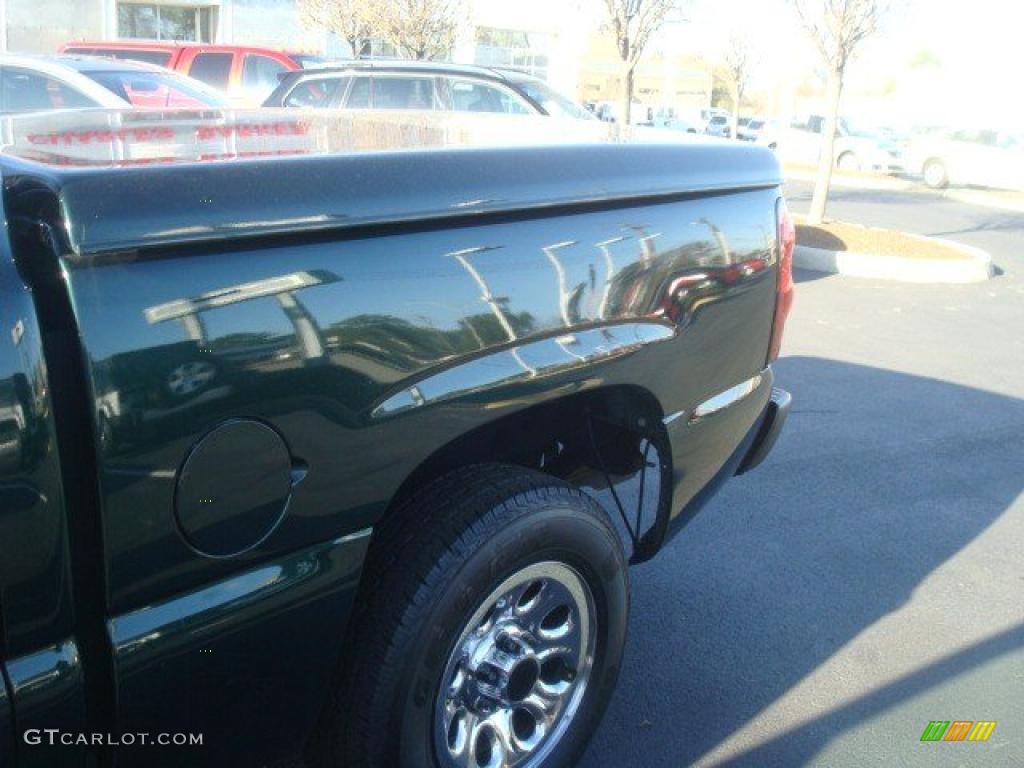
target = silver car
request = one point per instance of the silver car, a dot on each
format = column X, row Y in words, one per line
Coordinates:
column 969, row 157
column 47, row 83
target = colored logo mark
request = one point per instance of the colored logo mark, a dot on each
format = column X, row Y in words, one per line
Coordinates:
column 958, row 730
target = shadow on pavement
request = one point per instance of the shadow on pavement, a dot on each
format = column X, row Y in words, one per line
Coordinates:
column 879, row 479
column 1003, row 223
column 873, row 196
column 797, row 746
column 809, row 275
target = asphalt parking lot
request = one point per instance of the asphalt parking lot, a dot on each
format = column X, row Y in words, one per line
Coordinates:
column 868, row 577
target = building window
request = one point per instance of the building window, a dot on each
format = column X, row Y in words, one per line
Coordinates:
column 165, row 22
column 377, row 48
column 525, row 51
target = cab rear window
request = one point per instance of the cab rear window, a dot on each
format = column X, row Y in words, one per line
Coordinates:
column 212, row 68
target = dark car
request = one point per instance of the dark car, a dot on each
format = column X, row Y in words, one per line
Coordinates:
column 305, row 420
column 430, row 86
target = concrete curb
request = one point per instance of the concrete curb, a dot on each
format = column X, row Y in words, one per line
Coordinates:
column 974, row 269
column 984, row 200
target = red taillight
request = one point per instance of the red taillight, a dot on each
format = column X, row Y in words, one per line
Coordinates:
column 784, row 290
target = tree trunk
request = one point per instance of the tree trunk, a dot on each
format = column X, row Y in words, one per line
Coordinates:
column 626, row 104
column 734, row 127
column 827, row 160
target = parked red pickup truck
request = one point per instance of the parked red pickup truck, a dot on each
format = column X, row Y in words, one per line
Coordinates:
column 245, row 73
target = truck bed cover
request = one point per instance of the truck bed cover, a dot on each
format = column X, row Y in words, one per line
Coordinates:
column 189, row 177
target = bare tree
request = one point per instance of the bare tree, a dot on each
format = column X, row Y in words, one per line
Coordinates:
column 736, row 66
column 633, row 22
column 837, row 27
column 420, row 29
column 351, row 20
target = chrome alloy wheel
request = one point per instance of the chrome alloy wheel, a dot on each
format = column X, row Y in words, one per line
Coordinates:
column 518, row 672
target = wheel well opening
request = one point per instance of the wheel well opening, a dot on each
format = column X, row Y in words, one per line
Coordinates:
column 610, row 442
column 592, row 440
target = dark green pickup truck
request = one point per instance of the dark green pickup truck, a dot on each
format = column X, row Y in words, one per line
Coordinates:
column 333, row 436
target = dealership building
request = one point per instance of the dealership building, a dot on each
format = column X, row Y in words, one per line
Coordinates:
column 559, row 41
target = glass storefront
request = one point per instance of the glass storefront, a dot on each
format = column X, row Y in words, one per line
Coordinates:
column 525, row 51
column 165, row 22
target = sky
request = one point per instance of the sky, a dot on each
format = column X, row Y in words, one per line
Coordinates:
column 967, row 55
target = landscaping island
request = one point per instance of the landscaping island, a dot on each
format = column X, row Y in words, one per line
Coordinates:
column 886, row 254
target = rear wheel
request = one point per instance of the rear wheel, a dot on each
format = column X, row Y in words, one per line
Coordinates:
column 848, row 162
column 490, row 630
column 935, row 175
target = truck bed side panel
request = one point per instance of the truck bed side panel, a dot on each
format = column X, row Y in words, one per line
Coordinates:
column 338, row 343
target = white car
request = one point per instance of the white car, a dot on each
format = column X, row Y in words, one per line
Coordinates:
column 677, row 124
column 608, row 111
column 709, row 112
column 760, row 131
column 46, row 83
column 720, row 126
column 855, row 150
column 972, row 157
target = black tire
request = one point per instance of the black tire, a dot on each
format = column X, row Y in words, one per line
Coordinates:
column 431, row 565
column 848, row 161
